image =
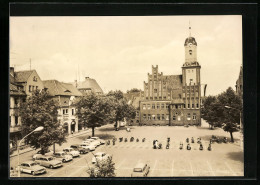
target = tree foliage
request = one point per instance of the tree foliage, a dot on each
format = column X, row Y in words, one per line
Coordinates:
column 40, row 109
column 94, row 111
column 223, row 110
column 121, row 106
column 103, row 168
column 134, row 90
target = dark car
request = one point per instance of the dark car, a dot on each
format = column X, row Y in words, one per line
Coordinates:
column 80, row 149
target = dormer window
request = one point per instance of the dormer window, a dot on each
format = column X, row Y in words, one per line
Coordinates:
column 190, row 51
column 35, row 78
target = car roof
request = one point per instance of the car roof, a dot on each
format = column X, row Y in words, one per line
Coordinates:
column 94, row 138
column 28, row 162
column 139, row 165
column 75, row 145
column 68, row 148
column 59, row 152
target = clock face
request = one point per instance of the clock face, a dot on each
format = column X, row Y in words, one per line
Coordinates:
column 190, row 44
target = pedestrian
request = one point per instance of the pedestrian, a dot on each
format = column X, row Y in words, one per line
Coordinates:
column 201, row 146
column 209, row 147
column 188, row 147
column 192, row 140
column 187, row 140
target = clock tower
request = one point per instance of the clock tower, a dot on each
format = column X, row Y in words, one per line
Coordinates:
column 191, row 86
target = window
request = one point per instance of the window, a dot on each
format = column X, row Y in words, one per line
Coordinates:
column 72, row 111
column 163, row 117
column 155, row 91
column 35, row 78
column 63, row 111
column 67, row 111
column 137, row 114
column 162, row 106
column 167, row 116
column 158, row 117
column 30, row 88
column 184, row 106
column 148, row 106
column 176, row 106
column 16, row 101
column 167, row 105
column 188, row 116
column 158, row 106
column 153, row 117
column 153, row 106
column 149, row 116
column 144, row 106
column 16, row 120
column 173, row 117
column 188, row 105
column 144, row 116
column 190, row 52
column 194, row 116
column 179, row 106
column 36, row 87
column 192, row 105
column 197, row 105
column 155, row 97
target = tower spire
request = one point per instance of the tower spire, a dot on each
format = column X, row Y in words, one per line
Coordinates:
column 189, row 28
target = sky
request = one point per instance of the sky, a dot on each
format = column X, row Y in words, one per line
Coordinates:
column 119, row 51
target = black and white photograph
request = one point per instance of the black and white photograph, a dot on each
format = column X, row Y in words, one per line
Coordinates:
column 126, row 96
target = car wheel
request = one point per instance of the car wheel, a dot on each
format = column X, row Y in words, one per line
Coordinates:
column 81, row 152
column 33, row 159
column 32, row 172
column 51, row 167
column 63, row 160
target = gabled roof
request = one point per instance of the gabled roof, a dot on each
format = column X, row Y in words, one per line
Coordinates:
column 90, row 84
column 54, row 87
column 22, row 76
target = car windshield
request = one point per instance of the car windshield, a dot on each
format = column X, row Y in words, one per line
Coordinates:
column 50, row 158
column 33, row 164
column 138, row 170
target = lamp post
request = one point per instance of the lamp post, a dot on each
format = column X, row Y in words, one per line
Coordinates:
column 241, row 126
column 38, row 129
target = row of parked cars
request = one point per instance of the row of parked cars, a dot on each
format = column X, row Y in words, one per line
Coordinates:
column 54, row 160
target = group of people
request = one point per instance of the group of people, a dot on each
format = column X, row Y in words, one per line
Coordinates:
column 157, row 145
column 192, row 141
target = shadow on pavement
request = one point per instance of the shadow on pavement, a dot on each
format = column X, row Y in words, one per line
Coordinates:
column 208, row 137
column 236, row 156
column 101, row 136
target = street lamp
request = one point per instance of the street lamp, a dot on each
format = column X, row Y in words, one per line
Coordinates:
column 241, row 127
column 38, row 129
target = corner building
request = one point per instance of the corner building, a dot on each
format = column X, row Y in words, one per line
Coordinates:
column 173, row 99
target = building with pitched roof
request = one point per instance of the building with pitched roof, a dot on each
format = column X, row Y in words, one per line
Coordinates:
column 17, row 95
column 89, row 85
column 65, row 94
column 30, row 80
column 171, row 99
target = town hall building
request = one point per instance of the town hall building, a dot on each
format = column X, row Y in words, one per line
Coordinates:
column 171, row 99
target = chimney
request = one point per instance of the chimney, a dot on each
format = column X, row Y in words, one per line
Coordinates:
column 86, row 77
column 12, row 71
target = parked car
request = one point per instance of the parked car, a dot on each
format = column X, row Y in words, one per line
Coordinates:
column 39, row 153
column 100, row 156
column 102, row 141
column 32, row 167
column 72, row 152
column 48, row 161
column 80, row 149
column 88, row 146
column 62, row 157
column 93, row 142
column 140, row 170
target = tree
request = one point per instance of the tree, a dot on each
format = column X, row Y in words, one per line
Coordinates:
column 210, row 111
column 230, row 117
column 103, row 168
column 123, row 110
column 94, row 111
column 41, row 109
column 133, row 90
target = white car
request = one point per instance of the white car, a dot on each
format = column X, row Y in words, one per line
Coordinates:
column 100, row 156
column 72, row 152
column 32, row 168
column 48, row 153
column 88, row 146
column 102, row 141
column 62, row 156
column 92, row 141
